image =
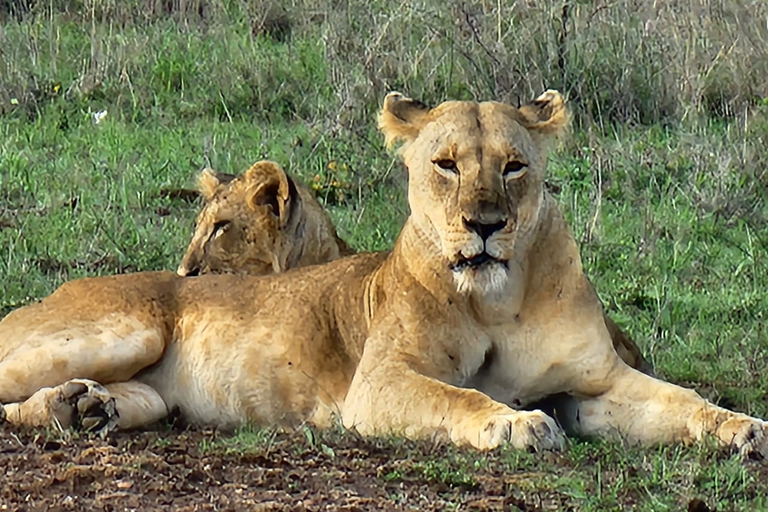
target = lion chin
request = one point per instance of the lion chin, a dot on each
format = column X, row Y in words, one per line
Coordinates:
column 481, row 274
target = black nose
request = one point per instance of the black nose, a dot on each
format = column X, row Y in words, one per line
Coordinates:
column 483, row 229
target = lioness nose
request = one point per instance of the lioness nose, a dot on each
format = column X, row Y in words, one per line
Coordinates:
column 485, row 230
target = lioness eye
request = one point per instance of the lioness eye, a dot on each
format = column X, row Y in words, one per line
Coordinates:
column 219, row 227
column 446, row 164
column 514, row 169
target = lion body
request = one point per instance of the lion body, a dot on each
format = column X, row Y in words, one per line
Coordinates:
column 235, row 236
column 481, row 308
column 224, row 359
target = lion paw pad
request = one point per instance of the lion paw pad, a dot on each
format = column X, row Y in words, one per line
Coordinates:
column 83, row 405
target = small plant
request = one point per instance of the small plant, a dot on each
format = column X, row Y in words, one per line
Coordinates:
column 246, row 439
column 333, row 184
column 446, row 472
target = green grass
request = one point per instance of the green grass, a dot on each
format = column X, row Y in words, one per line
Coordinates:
column 247, row 439
column 665, row 187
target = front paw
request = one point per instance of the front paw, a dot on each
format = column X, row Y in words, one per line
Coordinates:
column 522, row 429
column 747, row 435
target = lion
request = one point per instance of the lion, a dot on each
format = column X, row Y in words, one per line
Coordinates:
column 260, row 222
column 481, row 308
column 247, row 226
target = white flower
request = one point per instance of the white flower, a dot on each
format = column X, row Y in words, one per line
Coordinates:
column 99, row 116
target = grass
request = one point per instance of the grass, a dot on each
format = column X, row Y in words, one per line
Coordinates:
column 663, row 179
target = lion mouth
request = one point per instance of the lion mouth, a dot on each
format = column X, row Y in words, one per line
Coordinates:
column 476, row 261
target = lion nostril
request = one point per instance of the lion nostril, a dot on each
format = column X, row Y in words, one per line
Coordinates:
column 485, row 230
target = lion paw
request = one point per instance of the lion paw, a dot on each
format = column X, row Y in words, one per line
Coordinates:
column 747, row 435
column 81, row 404
column 523, row 429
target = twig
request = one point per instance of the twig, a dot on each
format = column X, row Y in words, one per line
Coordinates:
column 562, row 40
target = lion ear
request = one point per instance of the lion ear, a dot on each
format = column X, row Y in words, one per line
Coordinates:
column 546, row 114
column 207, row 183
column 401, row 118
column 269, row 185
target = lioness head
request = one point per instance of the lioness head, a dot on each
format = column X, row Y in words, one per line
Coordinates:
column 476, row 174
column 258, row 223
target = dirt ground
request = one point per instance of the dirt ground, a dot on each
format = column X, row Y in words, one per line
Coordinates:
column 185, row 469
column 191, row 470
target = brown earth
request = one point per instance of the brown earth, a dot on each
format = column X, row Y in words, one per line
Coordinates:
column 197, row 470
column 306, row 470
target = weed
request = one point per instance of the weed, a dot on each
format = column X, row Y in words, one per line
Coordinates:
column 246, row 439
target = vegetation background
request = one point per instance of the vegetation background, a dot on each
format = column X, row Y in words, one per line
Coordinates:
column 663, row 177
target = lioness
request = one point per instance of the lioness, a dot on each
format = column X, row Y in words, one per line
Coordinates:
column 480, row 308
column 263, row 222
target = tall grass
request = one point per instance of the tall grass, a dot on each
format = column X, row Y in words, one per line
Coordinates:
column 669, row 97
column 636, row 61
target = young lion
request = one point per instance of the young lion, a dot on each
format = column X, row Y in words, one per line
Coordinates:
column 480, row 308
column 258, row 223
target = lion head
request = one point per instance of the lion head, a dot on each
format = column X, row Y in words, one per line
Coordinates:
column 476, row 185
column 258, row 223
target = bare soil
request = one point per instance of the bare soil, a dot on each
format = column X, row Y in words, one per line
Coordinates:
column 184, row 469
column 192, row 470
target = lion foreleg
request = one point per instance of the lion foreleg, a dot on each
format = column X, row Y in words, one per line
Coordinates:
column 42, row 349
column 645, row 410
column 78, row 403
column 388, row 396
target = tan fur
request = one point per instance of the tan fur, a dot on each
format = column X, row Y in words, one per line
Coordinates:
column 481, row 308
column 258, row 223
column 253, row 241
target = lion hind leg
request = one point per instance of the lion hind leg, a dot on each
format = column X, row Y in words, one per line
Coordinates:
column 645, row 410
column 626, row 348
column 109, row 350
column 83, row 404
